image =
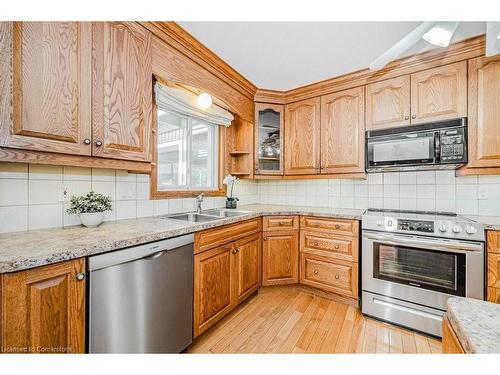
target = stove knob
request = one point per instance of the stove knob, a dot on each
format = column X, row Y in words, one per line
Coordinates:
column 470, row 229
column 443, row 227
column 457, row 229
column 380, row 222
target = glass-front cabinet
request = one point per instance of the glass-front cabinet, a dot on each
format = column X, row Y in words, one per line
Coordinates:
column 269, row 139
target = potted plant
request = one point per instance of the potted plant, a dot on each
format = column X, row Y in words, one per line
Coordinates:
column 90, row 208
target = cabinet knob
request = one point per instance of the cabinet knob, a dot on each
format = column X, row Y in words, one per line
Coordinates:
column 336, row 247
column 80, row 276
column 281, row 223
column 336, row 277
column 86, row 141
column 256, row 168
column 316, row 225
column 316, row 244
column 413, row 116
column 316, row 272
column 237, row 250
column 98, row 143
column 265, row 238
column 318, row 166
column 407, row 117
column 337, row 226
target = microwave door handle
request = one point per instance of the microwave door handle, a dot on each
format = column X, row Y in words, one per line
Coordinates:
column 437, row 148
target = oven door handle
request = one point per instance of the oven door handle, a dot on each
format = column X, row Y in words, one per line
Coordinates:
column 456, row 247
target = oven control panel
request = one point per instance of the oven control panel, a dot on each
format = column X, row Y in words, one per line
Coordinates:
column 416, row 225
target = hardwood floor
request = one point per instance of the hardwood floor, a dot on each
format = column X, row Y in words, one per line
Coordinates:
column 288, row 319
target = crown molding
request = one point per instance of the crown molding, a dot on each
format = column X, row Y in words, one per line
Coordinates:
column 178, row 38
column 464, row 50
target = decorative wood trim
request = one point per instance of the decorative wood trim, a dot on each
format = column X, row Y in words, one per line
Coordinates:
column 178, row 38
column 42, row 157
column 464, row 50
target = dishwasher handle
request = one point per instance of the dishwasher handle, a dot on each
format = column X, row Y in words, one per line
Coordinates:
column 150, row 250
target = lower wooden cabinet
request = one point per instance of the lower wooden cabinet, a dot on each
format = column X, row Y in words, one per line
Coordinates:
column 493, row 266
column 450, row 345
column 331, row 275
column 43, row 309
column 280, row 257
column 224, row 277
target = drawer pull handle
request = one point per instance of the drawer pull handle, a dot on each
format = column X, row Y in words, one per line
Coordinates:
column 336, row 247
column 316, row 225
column 281, row 223
column 336, row 277
column 316, row 272
column 316, row 244
column 337, row 226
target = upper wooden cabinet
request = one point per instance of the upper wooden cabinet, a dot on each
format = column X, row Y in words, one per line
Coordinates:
column 484, row 112
column 122, row 90
column 388, row 103
column 343, row 131
column 45, row 88
column 43, row 309
column 269, row 123
column 302, row 137
column 439, row 94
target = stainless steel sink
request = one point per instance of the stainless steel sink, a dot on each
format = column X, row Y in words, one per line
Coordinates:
column 193, row 217
column 225, row 213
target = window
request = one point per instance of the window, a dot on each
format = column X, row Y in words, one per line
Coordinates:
column 187, row 153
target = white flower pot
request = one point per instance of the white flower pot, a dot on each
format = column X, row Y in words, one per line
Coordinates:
column 92, row 219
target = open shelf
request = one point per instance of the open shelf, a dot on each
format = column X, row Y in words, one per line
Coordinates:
column 237, row 153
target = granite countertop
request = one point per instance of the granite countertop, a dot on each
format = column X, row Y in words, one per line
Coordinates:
column 19, row 251
column 489, row 222
column 476, row 323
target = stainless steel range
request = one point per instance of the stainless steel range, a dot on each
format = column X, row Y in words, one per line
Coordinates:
column 412, row 262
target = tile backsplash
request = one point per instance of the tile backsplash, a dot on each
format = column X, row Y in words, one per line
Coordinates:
column 31, row 195
column 422, row 190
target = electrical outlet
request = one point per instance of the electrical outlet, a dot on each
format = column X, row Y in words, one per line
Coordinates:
column 481, row 193
column 64, row 194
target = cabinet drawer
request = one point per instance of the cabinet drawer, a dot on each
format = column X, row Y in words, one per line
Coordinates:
column 330, row 275
column 493, row 241
column 211, row 238
column 339, row 226
column 270, row 223
column 340, row 247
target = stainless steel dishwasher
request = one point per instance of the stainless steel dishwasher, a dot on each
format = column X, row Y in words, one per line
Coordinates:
column 141, row 298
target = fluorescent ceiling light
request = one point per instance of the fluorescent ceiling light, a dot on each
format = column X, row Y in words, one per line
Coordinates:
column 440, row 35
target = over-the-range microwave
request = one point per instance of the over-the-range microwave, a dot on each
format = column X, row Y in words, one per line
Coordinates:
column 437, row 145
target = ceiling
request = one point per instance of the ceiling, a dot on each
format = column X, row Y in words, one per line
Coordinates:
column 286, row 55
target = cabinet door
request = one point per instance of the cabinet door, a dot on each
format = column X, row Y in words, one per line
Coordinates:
column 302, row 137
column 269, row 123
column 44, row 309
column 439, row 93
column 388, row 103
column 484, row 112
column 247, row 267
column 343, row 131
column 493, row 278
column 280, row 258
column 213, row 283
column 45, row 91
column 122, row 90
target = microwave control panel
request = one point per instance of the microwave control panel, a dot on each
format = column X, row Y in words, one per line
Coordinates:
column 416, row 225
column 452, row 147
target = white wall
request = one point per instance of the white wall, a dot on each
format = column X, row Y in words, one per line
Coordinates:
column 429, row 190
column 30, row 195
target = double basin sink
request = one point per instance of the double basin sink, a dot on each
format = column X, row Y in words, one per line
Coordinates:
column 206, row 216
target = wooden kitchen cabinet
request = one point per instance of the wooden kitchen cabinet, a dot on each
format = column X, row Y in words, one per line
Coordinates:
column 45, row 86
column 247, row 253
column 343, row 131
column 493, row 266
column 269, row 129
column 302, row 137
column 43, row 309
column 388, row 103
column 122, row 90
column 484, row 112
column 450, row 342
column 280, row 257
column 439, row 94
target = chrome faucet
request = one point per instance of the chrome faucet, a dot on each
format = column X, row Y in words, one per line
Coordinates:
column 199, row 201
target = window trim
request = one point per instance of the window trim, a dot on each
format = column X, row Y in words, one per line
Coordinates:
column 165, row 194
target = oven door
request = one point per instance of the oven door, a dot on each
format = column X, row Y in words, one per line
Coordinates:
column 407, row 149
column 422, row 270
